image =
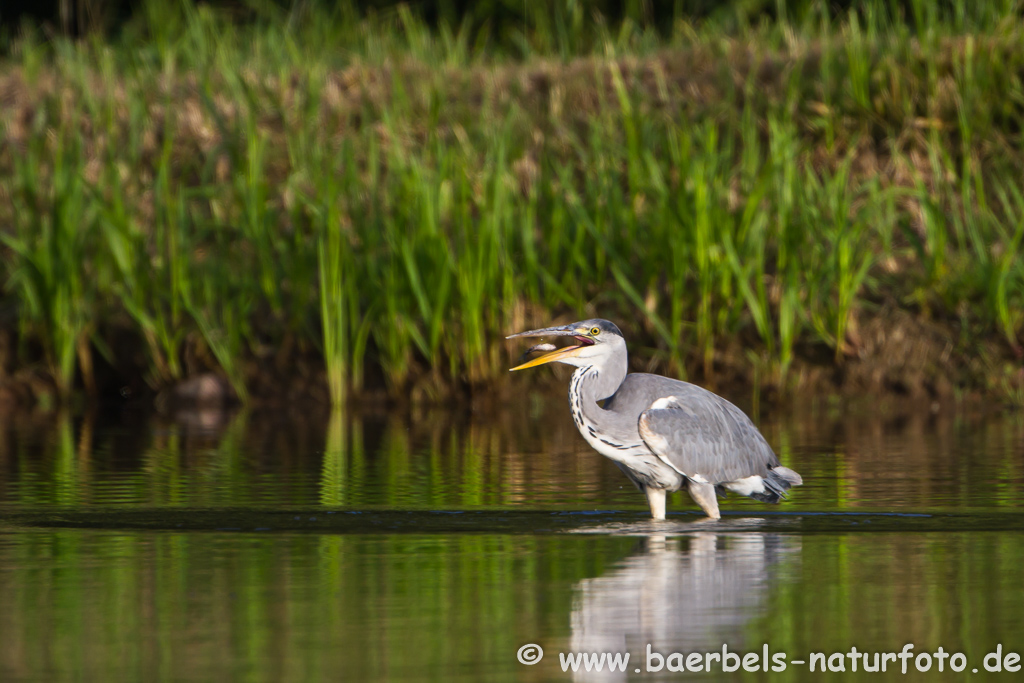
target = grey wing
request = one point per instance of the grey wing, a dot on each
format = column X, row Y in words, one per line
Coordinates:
column 706, row 437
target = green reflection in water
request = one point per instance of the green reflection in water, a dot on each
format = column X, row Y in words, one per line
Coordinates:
column 516, row 461
column 68, row 471
column 333, row 480
column 348, row 598
column 86, row 605
column 110, row 606
column 959, row 591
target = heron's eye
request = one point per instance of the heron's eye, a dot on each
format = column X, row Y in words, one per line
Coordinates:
column 595, row 331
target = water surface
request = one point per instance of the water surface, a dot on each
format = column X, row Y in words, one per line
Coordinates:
column 435, row 546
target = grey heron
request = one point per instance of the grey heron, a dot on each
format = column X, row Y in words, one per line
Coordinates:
column 663, row 433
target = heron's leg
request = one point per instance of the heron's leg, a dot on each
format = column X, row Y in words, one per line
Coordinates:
column 656, row 499
column 704, row 495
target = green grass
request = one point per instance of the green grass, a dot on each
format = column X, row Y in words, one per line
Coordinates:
column 395, row 197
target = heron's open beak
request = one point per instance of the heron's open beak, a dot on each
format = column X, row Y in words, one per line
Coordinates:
column 557, row 354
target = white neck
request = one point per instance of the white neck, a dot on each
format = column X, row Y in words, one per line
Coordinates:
column 610, row 433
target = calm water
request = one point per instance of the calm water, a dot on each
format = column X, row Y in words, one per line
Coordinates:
column 434, row 546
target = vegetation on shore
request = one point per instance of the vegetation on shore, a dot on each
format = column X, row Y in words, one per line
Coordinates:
column 374, row 202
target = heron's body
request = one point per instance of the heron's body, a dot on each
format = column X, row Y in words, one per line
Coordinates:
column 664, row 434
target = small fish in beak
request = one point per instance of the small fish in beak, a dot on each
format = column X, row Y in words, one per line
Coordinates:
column 553, row 353
column 539, row 348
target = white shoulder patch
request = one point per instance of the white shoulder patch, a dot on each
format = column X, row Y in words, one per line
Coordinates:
column 667, row 402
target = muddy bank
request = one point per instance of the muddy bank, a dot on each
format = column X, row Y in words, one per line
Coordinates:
column 893, row 355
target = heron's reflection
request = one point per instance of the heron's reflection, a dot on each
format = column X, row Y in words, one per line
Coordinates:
column 687, row 593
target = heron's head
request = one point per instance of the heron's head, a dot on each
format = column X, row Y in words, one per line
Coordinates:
column 595, row 342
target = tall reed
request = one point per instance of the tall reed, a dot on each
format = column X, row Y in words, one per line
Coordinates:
column 397, row 196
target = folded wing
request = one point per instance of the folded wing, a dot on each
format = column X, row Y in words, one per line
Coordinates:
column 706, row 439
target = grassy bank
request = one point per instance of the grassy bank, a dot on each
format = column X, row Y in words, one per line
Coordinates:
column 371, row 203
